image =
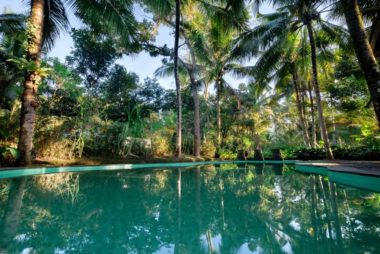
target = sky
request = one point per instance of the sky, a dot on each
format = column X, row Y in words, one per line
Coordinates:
column 142, row 64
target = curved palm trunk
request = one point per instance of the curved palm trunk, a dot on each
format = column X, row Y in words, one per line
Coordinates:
column 322, row 123
column 177, row 82
column 301, row 112
column 363, row 52
column 32, row 79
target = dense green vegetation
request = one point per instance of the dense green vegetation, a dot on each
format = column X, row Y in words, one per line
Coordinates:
column 310, row 91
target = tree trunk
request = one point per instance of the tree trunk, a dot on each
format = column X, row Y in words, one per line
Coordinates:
column 197, row 128
column 177, row 82
column 322, row 123
column 32, row 79
column 194, row 90
column 303, row 103
column 312, row 113
column 218, row 114
column 300, row 112
column 363, row 52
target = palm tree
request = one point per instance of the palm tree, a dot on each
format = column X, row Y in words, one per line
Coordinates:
column 363, row 52
column 47, row 19
column 177, row 82
column 293, row 16
column 163, row 11
column 32, row 80
column 213, row 49
column 284, row 58
column 281, row 62
column 224, row 15
column 227, row 18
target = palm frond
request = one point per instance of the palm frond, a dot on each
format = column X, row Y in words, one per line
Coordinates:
column 112, row 16
column 55, row 21
column 11, row 23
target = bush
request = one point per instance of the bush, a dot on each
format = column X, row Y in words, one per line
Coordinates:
column 356, row 153
column 160, row 146
column 208, row 149
column 352, row 153
column 310, row 154
column 8, row 156
column 227, row 155
column 289, row 153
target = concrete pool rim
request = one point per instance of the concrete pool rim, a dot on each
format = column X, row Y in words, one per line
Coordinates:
column 318, row 168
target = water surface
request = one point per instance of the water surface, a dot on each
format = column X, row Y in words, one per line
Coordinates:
column 230, row 208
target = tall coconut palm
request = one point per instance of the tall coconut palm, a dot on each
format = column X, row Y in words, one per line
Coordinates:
column 294, row 15
column 370, row 12
column 163, row 11
column 47, row 18
column 213, row 49
column 283, row 57
column 227, row 18
column 225, row 15
column 363, row 51
column 177, row 81
column 32, row 79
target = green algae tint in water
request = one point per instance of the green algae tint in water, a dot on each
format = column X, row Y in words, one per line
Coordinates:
column 229, row 208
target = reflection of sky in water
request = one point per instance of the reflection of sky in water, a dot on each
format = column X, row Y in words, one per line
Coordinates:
column 287, row 248
column 295, row 225
column 216, row 242
column 165, row 249
column 244, row 249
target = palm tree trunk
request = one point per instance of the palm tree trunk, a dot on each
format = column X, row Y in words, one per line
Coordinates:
column 177, row 82
column 322, row 123
column 218, row 114
column 363, row 52
column 194, row 90
column 300, row 112
column 303, row 94
column 312, row 113
column 32, row 79
column 197, row 128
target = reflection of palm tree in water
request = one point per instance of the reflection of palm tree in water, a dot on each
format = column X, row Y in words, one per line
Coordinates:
column 11, row 219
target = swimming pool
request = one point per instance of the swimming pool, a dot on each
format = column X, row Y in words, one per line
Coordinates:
column 212, row 208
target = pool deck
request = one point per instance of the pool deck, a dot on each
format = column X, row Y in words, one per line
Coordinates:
column 370, row 168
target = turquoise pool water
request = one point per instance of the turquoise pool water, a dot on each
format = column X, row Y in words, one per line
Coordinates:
column 222, row 208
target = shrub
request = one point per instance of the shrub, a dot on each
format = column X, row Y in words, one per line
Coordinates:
column 227, row 155
column 356, row 153
column 289, row 153
column 352, row 153
column 8, row 156
column 310, row 154
column 208, row 149
column 160, row 146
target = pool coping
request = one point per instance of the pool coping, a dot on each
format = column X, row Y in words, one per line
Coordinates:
column 25, row 171
column 335, row 166
column 344, row 166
